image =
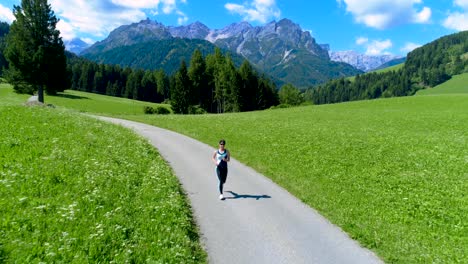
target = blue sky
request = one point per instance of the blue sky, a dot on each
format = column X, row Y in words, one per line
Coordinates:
column 374, row 27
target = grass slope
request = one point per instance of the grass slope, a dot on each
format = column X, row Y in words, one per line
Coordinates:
column 99, row 104
column 82, row 102
column 458, row 84
column 391, row 68
column 392, row 173
column 7, row 97
column 77, row 190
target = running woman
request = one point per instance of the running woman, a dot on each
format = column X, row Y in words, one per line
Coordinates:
column 221, row 157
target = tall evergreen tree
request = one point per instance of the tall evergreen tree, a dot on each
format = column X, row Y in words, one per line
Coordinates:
column 149, row 87
column 4, row 30
column 196, row 73
column 210, row 104
column 87, row 77
column 220, row 80
column 133, row 85
column 35, row 50
column 162, row 84
column 181, row 91
column 247, row 87
column 232, row 86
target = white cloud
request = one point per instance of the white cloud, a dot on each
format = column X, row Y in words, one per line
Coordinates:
column 362, row 40
column 457, row 21
column 137, row 4
column 182, row 18
column 423, row 16
column 409, row 46
column 375, row 47
column 382, row 14
column 88, row 40
column 98, row 17
column 462, row 3
column 6, row 14
column 379, row 47
column 66, row 30
column 258, row 10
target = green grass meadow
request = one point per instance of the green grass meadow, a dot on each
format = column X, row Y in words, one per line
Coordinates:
column 7, row 97
column 77, row 190
column 99, row 104
column 392, row 173
column 391, row 68
column 458, row 84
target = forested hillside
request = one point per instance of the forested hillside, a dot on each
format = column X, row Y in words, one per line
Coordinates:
column 210, row 83
column 282, row 50
column 426, row 66
column 165, row 54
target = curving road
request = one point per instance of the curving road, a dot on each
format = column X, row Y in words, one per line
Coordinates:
column 259, row 222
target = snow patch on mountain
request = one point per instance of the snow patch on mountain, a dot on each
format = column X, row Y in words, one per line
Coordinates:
column 360, row 61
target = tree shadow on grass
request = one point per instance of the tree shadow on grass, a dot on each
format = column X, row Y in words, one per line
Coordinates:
column 71, row 96
column 247, row 196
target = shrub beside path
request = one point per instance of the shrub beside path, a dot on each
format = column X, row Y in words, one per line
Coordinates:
column 259, row 222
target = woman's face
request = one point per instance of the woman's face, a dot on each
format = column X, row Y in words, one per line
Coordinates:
column 221, row 145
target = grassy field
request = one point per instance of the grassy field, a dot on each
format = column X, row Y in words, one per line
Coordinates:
column 457, row 85
column 7, row 97
column 391, row 68
column 392, row 173
column 77, row 190
column 82, row 102
column 95, row 103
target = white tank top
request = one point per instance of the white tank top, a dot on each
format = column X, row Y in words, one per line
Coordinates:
column 220, row 156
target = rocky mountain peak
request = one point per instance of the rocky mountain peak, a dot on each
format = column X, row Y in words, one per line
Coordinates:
column 280, row 48
column 361, row 61
column 196, row 30
column 236, row 28
column 143, row 31
column 75, row 45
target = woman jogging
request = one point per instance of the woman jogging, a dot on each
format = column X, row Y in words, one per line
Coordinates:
column 221, row 157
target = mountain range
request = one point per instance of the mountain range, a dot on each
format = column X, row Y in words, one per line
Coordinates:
column 75, row 45
column 280, row 49
column 362, row 62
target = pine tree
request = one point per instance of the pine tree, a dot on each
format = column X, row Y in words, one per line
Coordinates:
column 4, row 29
column 181, row 89
column 149, row 87
column 247, row 87
column 232, row 86
column 219, row 80
column 196, row 73
column 162, row 84
column 35, row 50
column 210, row 104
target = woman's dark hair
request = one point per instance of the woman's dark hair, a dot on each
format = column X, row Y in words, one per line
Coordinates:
column 222, row 142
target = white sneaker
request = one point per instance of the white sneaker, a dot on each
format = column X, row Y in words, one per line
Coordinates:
column 221, row 197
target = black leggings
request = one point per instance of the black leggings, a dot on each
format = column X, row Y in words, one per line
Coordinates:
column 222, row 175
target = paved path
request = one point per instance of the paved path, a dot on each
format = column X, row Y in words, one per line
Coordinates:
column 259, row 222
